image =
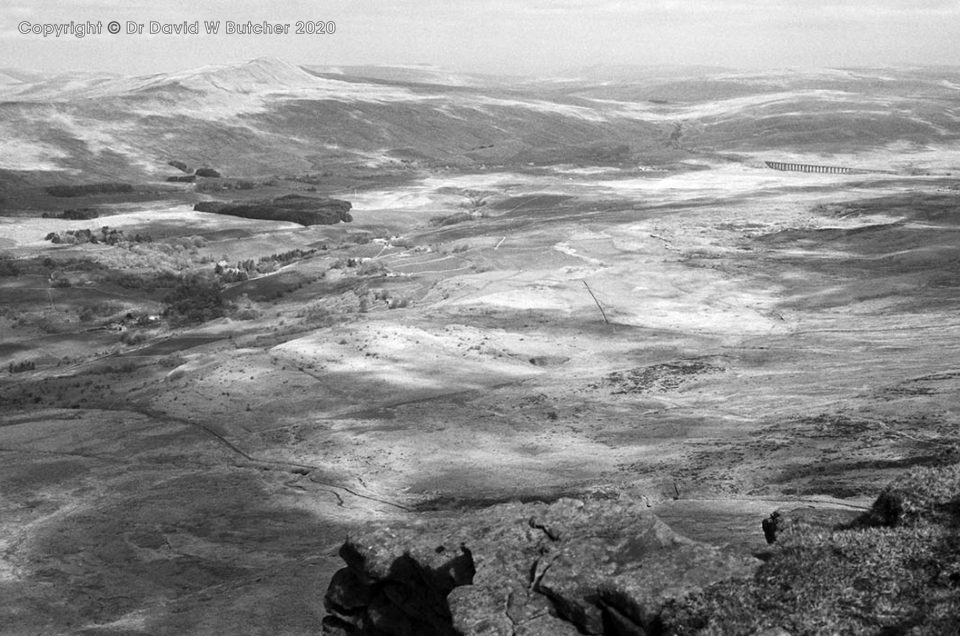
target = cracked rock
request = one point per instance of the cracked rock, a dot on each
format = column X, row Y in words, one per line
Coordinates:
column 570, row 567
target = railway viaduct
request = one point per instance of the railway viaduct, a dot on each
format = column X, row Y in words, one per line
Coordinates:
column 805, row 167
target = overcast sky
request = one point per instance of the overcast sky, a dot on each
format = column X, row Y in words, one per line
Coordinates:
column 499, row 36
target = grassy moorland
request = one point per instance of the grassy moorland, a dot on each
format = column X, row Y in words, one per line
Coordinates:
column 547, row 289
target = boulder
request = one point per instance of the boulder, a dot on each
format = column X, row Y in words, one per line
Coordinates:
column 548, row 361
column 921, row 495
column 570, row 567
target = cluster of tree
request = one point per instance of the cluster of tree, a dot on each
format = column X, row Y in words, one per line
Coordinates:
column 242, row 270
column 59, row 279
column 186, row 242
column 264, row 265
column 89, row 189
column 365, row 267
column 451, row 219
column 107, row 235
column 20, row 367
column 115, row 369
column 196, row 298
column 229, row 275
column 78, row 214
column 284, row 258
column 393, row 302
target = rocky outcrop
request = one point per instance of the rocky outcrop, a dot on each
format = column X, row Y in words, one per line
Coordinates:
column 292, row 207
column 207, row 172
column 892, row 570
column 566, row 568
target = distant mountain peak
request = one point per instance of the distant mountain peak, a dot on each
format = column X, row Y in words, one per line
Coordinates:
column 269, row 61
column 254, row 76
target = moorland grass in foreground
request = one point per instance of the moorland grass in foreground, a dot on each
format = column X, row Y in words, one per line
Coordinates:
column 896, row 570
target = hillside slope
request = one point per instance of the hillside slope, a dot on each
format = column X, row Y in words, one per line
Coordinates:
column 270, row 117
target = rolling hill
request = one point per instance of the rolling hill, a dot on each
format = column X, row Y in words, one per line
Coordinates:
column 270, row 117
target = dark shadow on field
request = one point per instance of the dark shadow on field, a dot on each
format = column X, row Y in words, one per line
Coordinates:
column 535, row 211
column 911, row 262
column 544, row 494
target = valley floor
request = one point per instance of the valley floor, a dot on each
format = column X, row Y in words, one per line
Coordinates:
column 719, row 342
